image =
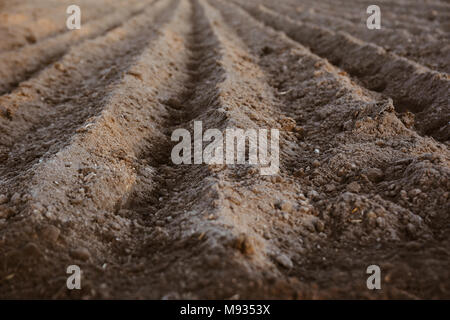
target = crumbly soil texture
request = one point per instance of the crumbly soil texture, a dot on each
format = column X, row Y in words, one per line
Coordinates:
column 86, row 176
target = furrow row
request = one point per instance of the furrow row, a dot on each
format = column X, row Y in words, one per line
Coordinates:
column 88, row 176
column 335, row 124
column 194, row 226
column 18, row 65
column 104, row 159
column 413, row 87
column 405, row 14
column 45, row 111
column 25, row 24
column 422, row 47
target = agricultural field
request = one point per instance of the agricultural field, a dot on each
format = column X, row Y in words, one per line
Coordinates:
column 87, row 175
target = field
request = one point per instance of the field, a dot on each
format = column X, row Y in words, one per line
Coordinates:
column 86, row 176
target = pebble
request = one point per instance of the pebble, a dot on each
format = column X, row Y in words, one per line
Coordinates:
column 403, row 195
column 380, row 222
column 316, row 163
column 354, row 187
column 371, row 215
column 411, row 229
column 300, row 172
column 37, row 208
column 3, row 199
column 59, row 66
column 16, row 198
column 284, row 261
column 341, row 172
column 313, row 194
column 426, row 156
column 414, row 192
column 51, row 233
column 171, row 296
column 320, row 226
column 115, row 225
column 82, row 254
column 374, row 174
column 310, row 227
column 301, row 196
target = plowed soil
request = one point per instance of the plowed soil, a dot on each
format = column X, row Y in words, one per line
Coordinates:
column 86, row 176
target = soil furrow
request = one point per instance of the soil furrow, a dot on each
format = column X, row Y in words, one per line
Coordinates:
column 100, row 154
column 408, row 17
column 422, row 48
column 31, row 25
column 413, row 87
column 58, row 110
column 18, row 65
column 416, row 17
column 193, row 223
column 328, row 163
column 91, row 175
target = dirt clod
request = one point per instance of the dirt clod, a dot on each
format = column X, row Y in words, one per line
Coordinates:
column 50, row 233
column 354, row 187
column 374, row 174
column 82, row 254
column 32, row 250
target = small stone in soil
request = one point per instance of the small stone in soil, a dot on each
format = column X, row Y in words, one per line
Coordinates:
column 16, row 198
column 319, row 226
column 50, row 233
column 316, row 163
column 354, row 187
column 284, row 261
column 313, row 194
column 380, row 222
column 3, row 199
column 82, row 254
column 374, row 174
column 411, row 229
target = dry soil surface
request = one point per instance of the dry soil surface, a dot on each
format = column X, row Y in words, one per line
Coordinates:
column 86, row 176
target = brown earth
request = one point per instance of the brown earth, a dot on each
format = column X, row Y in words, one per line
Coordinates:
column 86, row 176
